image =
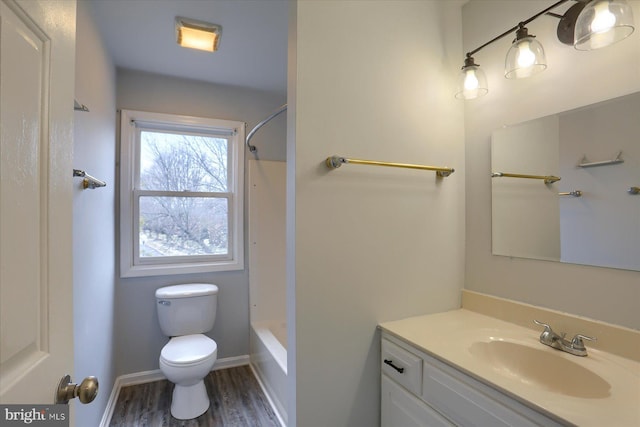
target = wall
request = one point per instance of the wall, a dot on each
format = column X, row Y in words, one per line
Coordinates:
column 267, row 246
column 138, row 336
column 372, row 80
column 572, row 79
column 93, row 217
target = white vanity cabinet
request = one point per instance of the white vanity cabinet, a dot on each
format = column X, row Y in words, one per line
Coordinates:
column 419, row 390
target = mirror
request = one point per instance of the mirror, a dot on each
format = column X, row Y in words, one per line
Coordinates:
column 591, row 215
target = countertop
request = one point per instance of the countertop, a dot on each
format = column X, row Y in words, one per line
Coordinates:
column 448, row 336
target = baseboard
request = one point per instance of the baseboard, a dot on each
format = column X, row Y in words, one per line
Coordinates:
column 156, row 375
column 231, row 362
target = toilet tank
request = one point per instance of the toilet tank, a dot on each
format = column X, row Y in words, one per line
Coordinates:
column 187, row 309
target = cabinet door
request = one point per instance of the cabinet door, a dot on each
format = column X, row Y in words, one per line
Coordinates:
column 400, row 408
column 462, row 400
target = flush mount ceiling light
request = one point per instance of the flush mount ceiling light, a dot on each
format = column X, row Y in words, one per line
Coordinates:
column 587, row 25
column 197, row 34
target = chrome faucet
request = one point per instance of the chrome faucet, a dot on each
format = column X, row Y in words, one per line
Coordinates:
column 559, row 342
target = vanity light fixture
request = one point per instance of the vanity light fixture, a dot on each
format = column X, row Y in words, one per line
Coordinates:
column 472, row 83
column 525, row 57
column 602, row 23
column 587, row 25
column 197, row 34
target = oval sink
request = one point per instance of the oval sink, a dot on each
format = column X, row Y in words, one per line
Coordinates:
column 540, row 368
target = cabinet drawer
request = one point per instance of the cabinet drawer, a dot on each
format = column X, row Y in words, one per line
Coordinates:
column 402, row 366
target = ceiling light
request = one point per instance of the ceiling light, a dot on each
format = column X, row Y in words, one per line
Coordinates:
column 602, row 23
column 525, row 57
column 472, row 82
column 197, row 34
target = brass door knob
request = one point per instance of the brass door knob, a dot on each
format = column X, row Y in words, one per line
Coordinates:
column 86, row 391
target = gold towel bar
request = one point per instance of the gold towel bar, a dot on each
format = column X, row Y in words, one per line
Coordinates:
column 335, row 162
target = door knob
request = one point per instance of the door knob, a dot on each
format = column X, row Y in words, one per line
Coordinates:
column 86, row 391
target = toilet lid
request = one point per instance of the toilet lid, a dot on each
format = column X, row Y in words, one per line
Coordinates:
column 186, row 291
column 188, row 349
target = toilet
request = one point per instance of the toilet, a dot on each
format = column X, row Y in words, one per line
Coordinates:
column 185, row 313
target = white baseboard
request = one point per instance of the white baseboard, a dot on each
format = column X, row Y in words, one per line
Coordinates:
column 156, row 375
column 231, row 362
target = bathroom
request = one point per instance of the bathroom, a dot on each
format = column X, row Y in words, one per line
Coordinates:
column 364, row 245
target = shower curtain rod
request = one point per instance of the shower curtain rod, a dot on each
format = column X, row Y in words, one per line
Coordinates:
column 253, row 148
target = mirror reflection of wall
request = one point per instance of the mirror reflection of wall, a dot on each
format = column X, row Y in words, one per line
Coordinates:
column 597, row 220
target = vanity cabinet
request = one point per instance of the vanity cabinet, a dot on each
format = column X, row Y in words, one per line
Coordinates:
column 420, row 390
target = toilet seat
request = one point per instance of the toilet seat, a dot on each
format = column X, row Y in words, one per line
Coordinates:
column 188, row 350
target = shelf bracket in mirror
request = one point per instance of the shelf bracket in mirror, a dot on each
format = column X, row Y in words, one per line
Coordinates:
column 548, row 179
column 587, row 164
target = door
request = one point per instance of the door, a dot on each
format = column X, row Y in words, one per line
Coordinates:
column 37, row 61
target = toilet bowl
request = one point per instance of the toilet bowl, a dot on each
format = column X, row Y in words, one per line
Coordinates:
column 185, row 361
column 185, row 312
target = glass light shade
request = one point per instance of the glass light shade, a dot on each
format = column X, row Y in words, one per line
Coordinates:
column 197, row 35
column 601, row 23
column 472, row 83
column 524, row 59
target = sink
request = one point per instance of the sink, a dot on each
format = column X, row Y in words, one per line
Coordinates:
column 541, row 368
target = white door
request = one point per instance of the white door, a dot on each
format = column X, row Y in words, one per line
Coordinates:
column 37, row 62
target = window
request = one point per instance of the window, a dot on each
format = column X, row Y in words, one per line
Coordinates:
column 181, row 194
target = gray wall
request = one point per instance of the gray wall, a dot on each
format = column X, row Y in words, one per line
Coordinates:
column 138, row 336
column 93, row 217
column 372, row 80
column 572, row 79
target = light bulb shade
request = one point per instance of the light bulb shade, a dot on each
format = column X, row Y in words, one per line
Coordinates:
column 472, row 83
column 199, row 35
column 524, row 59
column 602, row 23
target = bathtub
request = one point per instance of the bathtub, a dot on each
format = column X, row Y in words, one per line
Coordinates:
column 268, row 356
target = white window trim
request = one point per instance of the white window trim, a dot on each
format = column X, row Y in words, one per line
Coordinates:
column 128, row 163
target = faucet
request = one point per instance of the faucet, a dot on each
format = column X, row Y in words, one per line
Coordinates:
column 559, row 342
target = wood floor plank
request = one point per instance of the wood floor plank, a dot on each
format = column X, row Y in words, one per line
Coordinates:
column 236, row 401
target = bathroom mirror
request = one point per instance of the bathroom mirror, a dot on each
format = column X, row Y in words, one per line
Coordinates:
column 591, row 215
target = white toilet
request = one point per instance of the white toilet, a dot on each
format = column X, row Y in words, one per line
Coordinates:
column 185, row 313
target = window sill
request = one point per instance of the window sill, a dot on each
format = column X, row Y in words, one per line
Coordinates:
column 171, row 269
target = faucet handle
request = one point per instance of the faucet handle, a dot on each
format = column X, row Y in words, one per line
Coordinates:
column 577, row 343
column 548, row 336
column 547, row 328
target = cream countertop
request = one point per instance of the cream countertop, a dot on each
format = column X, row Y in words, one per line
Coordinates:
column 448, row 336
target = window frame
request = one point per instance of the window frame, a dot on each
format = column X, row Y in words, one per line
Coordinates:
column 131, row 265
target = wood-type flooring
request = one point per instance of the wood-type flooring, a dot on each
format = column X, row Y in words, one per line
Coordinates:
column 236, row 401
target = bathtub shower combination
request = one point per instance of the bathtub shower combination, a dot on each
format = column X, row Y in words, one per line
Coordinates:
column 267, row 284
